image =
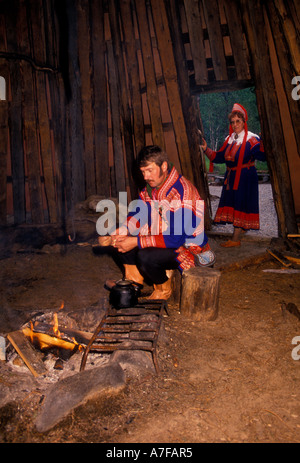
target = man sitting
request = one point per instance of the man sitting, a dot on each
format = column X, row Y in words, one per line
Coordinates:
column 166, row 230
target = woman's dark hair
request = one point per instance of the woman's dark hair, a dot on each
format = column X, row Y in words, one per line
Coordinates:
column 236, row 113
column 152, row 153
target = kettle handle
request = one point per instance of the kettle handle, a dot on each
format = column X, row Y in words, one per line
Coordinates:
column 137, row 287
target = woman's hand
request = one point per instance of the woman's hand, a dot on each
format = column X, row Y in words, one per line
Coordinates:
column 204, row 144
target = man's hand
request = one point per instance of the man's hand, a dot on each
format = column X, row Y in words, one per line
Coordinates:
column 124, row 243
column 105, row 240
column 110, row 240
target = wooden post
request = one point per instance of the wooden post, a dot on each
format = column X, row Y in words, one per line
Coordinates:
column 200, row 293
column 275, row 150
column 285, row 54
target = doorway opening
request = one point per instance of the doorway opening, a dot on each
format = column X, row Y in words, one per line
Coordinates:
column 214, row 108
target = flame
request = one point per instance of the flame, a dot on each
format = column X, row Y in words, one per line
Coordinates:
column 46, row 341
column 55, row 325
column 55, row 338
column 31, row 332
column 56, row 331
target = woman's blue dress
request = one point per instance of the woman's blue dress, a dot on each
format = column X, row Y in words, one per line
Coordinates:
column 239, row 206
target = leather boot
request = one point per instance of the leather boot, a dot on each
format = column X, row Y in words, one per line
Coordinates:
column 132, row 273
column 162, row 291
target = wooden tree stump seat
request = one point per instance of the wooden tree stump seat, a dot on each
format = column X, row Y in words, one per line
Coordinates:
column 199, row 293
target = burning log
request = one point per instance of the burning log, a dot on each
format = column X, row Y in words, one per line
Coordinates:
column 45, row 336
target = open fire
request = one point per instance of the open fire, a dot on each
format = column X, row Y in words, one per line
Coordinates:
column 45, row 336
column 134, row 328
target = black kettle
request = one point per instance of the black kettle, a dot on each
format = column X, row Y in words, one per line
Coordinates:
column 124, row 294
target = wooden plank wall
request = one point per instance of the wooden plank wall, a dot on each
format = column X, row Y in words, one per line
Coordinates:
column 31, row 192
column 91, row 81
column 216, row 44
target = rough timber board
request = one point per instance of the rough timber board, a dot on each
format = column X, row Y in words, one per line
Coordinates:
column 27, row 353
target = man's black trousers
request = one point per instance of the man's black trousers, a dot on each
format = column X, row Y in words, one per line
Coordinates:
column 151, row 262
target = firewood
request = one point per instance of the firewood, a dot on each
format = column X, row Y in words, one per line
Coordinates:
column 247, row 262
column 280, row 257
column 27, row 352
column 66, row 334
column 47, row 341
column 294, row 259
column 44, row 336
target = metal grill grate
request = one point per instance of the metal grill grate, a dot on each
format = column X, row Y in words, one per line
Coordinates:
column 134, row 328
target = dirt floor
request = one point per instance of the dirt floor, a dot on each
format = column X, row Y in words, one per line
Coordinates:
column 229, row 380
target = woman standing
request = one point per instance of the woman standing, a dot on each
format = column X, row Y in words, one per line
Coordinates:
column 239, row 198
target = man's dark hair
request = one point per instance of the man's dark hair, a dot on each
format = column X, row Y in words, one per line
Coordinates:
column 152, row 153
